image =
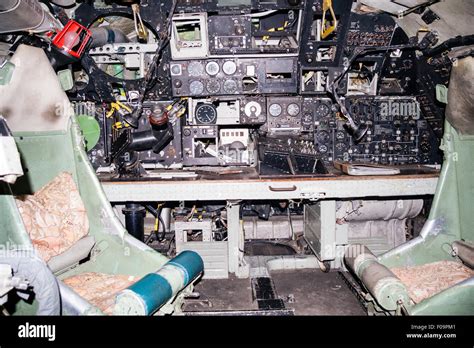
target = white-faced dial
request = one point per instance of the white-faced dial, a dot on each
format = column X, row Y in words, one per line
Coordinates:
column 196, row 87
column 212, row 68
column 275, row 110
column 195, row 69
column 293, row 109
column 229, row 67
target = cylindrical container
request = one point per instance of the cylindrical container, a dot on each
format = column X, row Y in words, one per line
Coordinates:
column 155, row 289
column 24, row 15
column 386, row 288
column 142, row 141
column 135, row 220
column 166, row 217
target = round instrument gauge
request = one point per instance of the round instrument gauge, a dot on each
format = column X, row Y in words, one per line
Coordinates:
column 213, row 86
column 175, row 69
column 425, row 147
column 206, row 114
column 322, row 110
column 322, row 149
column 307, row 119
column 196, row 87
column 293, row 109
column 229, row 67
column 398, row 148
column 323, row 137
column 341, row 147
column 253, row 109
column 195, row 68
column 275, row 110
column 230, row 86
column 340, row 135
column 212, row 68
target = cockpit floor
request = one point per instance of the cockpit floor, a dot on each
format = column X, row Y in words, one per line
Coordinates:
column 306, row 291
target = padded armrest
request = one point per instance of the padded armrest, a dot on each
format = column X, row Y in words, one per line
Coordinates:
column 73, row 255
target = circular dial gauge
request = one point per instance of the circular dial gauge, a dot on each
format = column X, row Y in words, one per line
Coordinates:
column 252, row 109
column 175, row 69
column 206, row 114
column 425, row 147
column 213, row 86
column 212, row 68
column 196, row 87
column 341, row 147
column 229, row 67
column 340, row 135
column 307, row 119
column 323, row 148
column 322, row 110
column 230, row 86
column 275, row 110
column 195, row 69
column 323, row 137
column 398, row 148
column 293, row 109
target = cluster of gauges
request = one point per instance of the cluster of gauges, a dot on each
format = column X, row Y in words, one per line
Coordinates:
column 196, row 69
column 276, row 109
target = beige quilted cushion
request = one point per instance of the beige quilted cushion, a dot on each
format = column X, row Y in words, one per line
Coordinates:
column 54, row 217
column 427, row 280
column 99, row 289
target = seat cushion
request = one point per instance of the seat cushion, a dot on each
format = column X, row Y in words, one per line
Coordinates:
column 100, row 289
column 427, row 280
column 54, row 217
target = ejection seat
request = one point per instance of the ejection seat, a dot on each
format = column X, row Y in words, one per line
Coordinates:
column 49, row 142
column 433, row 274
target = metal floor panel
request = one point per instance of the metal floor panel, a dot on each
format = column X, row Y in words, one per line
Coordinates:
column 313, row 292
column 303, row 292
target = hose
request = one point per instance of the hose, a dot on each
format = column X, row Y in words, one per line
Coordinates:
column 107, row 35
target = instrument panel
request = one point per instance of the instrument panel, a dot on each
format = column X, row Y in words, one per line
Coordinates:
column 257, row 77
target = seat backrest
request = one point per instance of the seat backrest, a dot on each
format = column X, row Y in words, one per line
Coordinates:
column 460, row 108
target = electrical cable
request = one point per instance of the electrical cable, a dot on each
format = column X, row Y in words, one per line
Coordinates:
column 132, row 119
column 157, row 214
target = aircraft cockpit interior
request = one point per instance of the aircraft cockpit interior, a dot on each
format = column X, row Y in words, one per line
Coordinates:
column 236, row 157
